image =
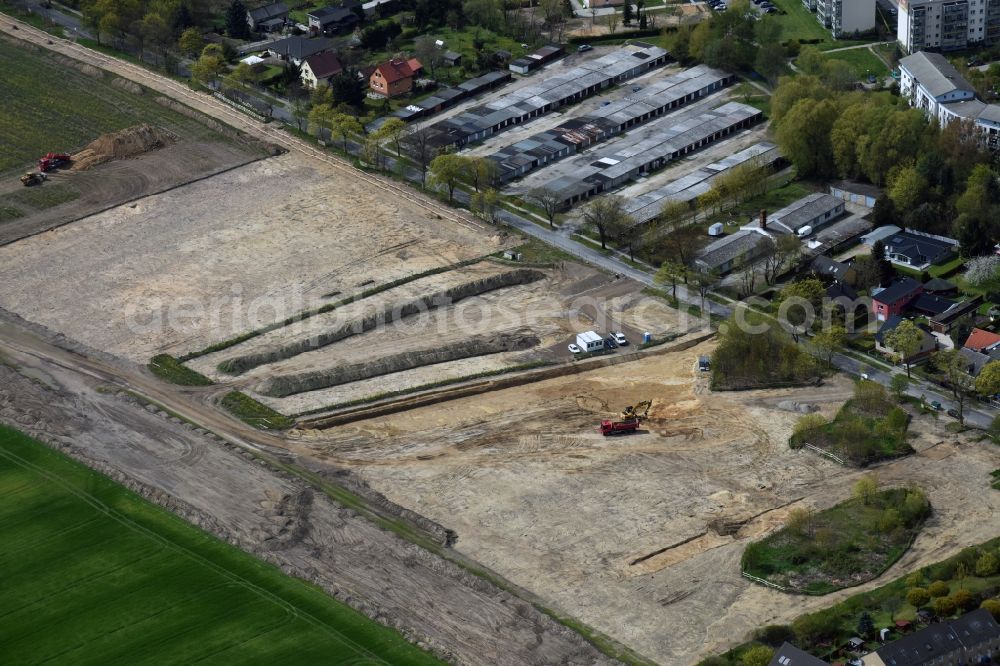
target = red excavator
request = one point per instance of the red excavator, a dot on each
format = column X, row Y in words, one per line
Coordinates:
column 51, row 161
column 631, row 417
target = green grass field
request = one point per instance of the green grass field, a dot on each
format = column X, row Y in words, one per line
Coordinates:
column 52, row 106
column 94, row 574
column 861, row 61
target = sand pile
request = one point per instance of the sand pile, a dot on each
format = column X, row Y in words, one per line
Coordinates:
column 121, row 145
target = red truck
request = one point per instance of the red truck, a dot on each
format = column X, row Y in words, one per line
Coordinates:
column 609, row 427
column 52, row 161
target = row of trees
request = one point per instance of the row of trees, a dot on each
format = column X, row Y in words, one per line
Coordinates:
column 937, row 180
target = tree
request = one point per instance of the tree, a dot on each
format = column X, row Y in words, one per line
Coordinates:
column 237, row 26
column 345, row 125
column 899, row 384
column 670, row 273
column 607, row 215
column 210, row 66
column 300, row 110
column 418, row 144
column 611, row 21
column 391, row 130
column 482, row 172
column 322, row 117
column 447, row 171
column 954, row 371
column 799, row 305
column 486, row 203
column 829, row 340
column 963, row 599
column 242, row 76
column 987, row 564
column 866, row 488
column 801, row 520
column 756, row 655
column 917, row 597
column 943, row 607
column 770, row 61
column 804, row 137
column 907, row 189
column 885, row 269
column 703, row 282
column 548, row 200
column 428, row 52
column 983, row 272
column 988, row 381
column 627, row 12
column 347, row 88
column 938, row 588
column 905, row 341
column 866, row 627
column 191, row 42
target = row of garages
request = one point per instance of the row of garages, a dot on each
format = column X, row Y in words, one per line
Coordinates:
column 629, row 159
column 689, row 187
column 552, row 92
column 642, row 105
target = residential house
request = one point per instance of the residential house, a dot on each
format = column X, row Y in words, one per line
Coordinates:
column 296, row 49
column 828, row 269
column 944, row 322
column 856, row 193
column 973, row 638
column 927, row 345
column 982, row 341
column 320, row 68
column 395, row 77
column 918, row 250
column 932, row 84
column 332, row 20
column 890, row 301
column 734, row 251
column 931, row 305
column 268, row 18
column 789, row 655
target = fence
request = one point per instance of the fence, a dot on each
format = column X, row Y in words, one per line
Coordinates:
column 824, row 453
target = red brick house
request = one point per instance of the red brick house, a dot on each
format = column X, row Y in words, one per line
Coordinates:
column 891, row 300
column 394, row 77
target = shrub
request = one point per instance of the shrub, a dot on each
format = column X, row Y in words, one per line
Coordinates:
column 803, row 427
column 938, row 589
column 993, row 606
column 987, row 564
column 943, row 606
column 964, row 600
column 757, row 655
column 775, row 634
column 915, row 579
column 917, row 597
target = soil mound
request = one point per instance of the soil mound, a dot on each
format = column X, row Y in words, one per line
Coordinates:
column 121, row 145
column 283, row 386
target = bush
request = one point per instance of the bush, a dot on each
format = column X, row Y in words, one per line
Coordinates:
column 803, row 427
column 938, row 589
column 964, row 600
column 993, row 606
column 987, row 564
column 943, row 606
column 775, row 634
column 757, row 655
column 917, row 597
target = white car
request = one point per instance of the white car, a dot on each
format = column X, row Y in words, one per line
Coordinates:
column 574, row 349
column 620, row 338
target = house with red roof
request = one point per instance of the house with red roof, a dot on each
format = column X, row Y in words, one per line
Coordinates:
column 395, row 77
column 982, row 341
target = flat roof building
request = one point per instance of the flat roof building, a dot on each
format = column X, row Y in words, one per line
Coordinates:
column 814, row 211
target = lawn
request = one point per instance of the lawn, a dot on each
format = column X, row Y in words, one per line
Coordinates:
column 43, row 196
column 94, row 574
column 797, row 22
column 868, row 428
column 845, row 545
column 862, row 61
column 50, row 105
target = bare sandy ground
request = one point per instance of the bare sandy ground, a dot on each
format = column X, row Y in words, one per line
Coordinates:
column 177, row 271
column 536, row 493
column 436, row 604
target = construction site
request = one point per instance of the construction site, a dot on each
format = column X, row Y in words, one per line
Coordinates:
column 613, row 491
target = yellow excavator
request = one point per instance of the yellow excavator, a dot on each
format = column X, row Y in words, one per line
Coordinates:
column 637, row 411
column 32, row 178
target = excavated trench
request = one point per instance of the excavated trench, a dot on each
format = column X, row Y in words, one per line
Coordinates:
column 282, row 386
column 390, row 313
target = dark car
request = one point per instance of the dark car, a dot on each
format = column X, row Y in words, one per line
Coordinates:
column 953, row 413
column 609, row 343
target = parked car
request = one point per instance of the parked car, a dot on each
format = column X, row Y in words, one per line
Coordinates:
column 620, row 338
column 953, row 413
column 584, row 47
column 935, row 405
column 574, row 349
column 974, row 62
column 609, row 343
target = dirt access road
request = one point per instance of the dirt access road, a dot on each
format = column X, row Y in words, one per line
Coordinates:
column 75, row 403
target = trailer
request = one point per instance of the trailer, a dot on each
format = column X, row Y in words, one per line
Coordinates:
column 609, row 427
